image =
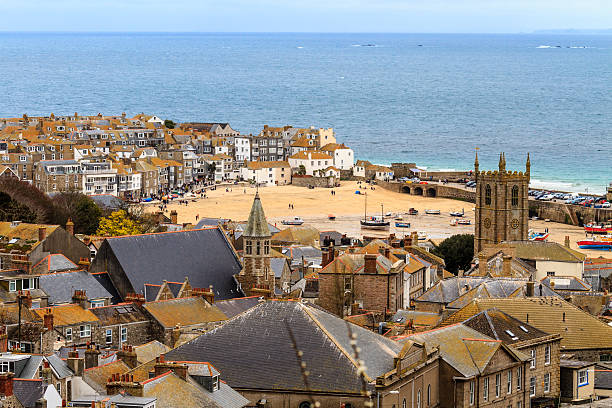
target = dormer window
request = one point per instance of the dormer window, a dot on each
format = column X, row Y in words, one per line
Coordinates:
column 215, row 383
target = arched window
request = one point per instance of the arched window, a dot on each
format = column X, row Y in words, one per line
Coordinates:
column 419, row 399
column 515, row 196
column 258, row 252
column 404, row 403
column 487, row 195
column 249, row 247
column 428, row 395
column 267, row 248
column 304, row 404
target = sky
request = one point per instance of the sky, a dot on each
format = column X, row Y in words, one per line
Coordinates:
column 410, row 16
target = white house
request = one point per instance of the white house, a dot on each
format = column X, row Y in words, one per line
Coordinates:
column 312, row 161
column 242, row 148
column 223, row 167
column 331, row 171
column 343, row 156
column 359, row 169
column 270, row 173
column 382, row 173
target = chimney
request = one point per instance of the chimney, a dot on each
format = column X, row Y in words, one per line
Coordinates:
column 70, row 226
column 76, row 363
column 530, row 289
column 136, row 298
column 175, row 334
column 354, row 308
column 91, row 356
column 407, row 242
column 387, row 253
column 42, row 233
column 119, row 383
column 482, row 263
column 80, row 298
column 206, row 293
column 567, row 241
column 128, row 356
column 173, row 217
column 6, row 384
column 48, row 320
column 370, row 263
column 25, row 298
column 507, row 266
column 414, row 238
column 3, row 340
column 328, row 256
column 47, row 373
column 162, row 367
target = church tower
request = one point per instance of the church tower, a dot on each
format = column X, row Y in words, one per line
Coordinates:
column 256, row 277
column 502, row 207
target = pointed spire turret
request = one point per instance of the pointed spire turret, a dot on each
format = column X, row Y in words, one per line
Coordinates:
column 257, row 225
column 528, row 166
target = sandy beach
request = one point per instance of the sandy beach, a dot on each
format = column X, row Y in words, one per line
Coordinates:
column 314, row 206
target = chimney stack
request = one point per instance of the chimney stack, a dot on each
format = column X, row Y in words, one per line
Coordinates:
column 48, row 319
column 76, row 363
column 530, row 288
column 162, row 367
column 128, row 356
column 70, row 226
column 482, row 264
column 91, row 356
column 80, row 298
column 136, row 298
column 567, row 241
column 173, row 217
column 506, row 266
column 370, row 263
column 387, row 253
column 42, row 233
column 6, row 384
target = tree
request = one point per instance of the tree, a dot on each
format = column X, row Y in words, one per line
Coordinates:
column 457, row 252
column 117, row 224
column 83, row 211
column 169, row 124
column 302, row 170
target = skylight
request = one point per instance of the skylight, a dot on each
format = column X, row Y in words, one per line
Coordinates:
column 523, row 328
column 512, row 335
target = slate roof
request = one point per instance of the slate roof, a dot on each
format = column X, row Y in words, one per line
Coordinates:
column 565, row 283
column 501, row 326
column 122, row 313
column 603, row 378
column 233, row 307
column 61, row 286
column 298, row 234
column 104, row 279
column 108, row 201
column 257, row 226
column 579, row 330
column 310, row 254
column 28, row 391
column 210, row 222
column 427, row 319
column 260, row 338
column 56, row 263
column 204, row 256
column 543, row 251
column 184, row 311
column 355, row 263
column 277, row 265
column 59, row 366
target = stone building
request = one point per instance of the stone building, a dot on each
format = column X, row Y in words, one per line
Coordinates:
column 256, row 276
column 502, row 208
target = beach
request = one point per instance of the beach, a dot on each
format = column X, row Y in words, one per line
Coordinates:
column 315, row 205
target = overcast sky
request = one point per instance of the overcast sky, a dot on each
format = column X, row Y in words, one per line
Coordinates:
column 304, row 15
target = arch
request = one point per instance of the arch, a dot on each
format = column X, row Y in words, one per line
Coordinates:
column 515, row 196
column 488, row 194
column 431, row 192
column 26, row 194
column 418, row 191
column 406, row 189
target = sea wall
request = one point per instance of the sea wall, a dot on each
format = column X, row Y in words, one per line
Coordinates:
column 430, row 190
column 306, row 181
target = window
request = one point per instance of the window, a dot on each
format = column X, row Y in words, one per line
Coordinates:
column 515, row 196
column 418, row 399
column 7, row 366
column 249, row 251
column 97, row 303
column 497, row 385
column 532, row 387
column 487, row 195
column 404, row 403
column 348, row 285
column 68, row 334
column 428, row 395
column 519, row 404
column 519, row 378
column 550, row 273
column 472, row 392
column 509, row 381
column 485, row 389
column 547, row 354
column 258, row 250
column 59, row 388
column 85, row 330
column 547, row 382
column 13, row 286
column 533, row 359
column 583, row 377
column 123, row 334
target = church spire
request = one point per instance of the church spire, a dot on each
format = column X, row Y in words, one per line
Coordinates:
column 257, row 225
column 528, row 166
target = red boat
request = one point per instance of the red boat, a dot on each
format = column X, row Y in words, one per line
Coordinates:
column 605, row 244
column 598, row 229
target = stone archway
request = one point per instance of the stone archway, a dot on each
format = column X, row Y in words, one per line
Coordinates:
column 418, row 191
column 405, row 189
column 431, row 192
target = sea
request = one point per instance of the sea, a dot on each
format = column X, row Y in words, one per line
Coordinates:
column 432, row 99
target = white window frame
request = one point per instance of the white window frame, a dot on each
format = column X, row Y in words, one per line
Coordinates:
column 546, row 383
column 532, row 363
column 532, row 387
column 108, row 335
column 85, row 330
column 519, row 378
column 547, row 352
column 585, row 380
column 485, row 389
column 472, row 388
column 497, row 385
column 68, row 334
column 123, row 334
column 509, row 382
column 13, row 286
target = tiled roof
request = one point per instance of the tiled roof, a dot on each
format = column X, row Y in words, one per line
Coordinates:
column 566, row 283
column 59, row 366
column 204, row 256
column 579, row 330
column 355, row 263
column 24, row 230
column 122, row 313
column 255, row 165
column 311, row 156
column 541, row 251
column 184, row 311
column 260, row 338
column 68, row 315
column 302, row 234
column 501, row 326
column 423, row 319
column 61, row 286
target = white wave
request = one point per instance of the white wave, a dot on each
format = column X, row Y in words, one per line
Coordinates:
column 566, row 186
column 447, row 170
column 544, row 46
column 300, row 47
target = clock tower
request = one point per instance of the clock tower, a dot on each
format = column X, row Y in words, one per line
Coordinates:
column 502, row 207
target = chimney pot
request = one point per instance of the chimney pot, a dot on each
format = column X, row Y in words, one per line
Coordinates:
column 42, row 233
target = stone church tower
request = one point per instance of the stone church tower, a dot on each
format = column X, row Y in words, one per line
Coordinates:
column 256, row 277
column 502, row 207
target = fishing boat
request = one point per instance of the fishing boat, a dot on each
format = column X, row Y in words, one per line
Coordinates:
column 453, row 222
column 294, row 221
column 464, row 221
column 457, row 213
column 413, row 211
column 432, row 212
column 598, row 229
column 402, row 224
column 331, row 217
column 603, row 243
column 537, row 236
column 422, row 235
column 376, row 222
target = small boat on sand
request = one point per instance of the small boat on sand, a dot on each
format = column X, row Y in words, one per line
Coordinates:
column 453, row 222
column 604, row 243
column 464, row 221
column 294, row 221
column 457, row 213
column 402, row 224
column 432, row 212
column 331, row 217
column 376, row 222
column 598, row 229
column 413, row 211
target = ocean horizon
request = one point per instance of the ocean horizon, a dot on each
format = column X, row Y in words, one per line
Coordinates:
column 425, row 98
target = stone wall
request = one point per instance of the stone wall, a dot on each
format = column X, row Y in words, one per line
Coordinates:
column 567, row 213
column 305, row 181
